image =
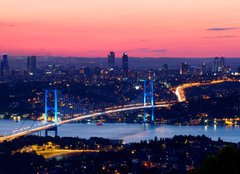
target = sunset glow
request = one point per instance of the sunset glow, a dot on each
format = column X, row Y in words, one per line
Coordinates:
column 145, row 28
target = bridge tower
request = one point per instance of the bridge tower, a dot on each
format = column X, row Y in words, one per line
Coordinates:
column 54, row 109
column 148, row 98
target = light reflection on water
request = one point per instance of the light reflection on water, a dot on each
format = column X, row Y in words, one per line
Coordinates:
column 131, row 132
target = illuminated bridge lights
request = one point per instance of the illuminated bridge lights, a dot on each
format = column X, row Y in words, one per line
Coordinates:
column 77, row 117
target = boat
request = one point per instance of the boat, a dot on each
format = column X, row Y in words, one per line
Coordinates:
column 99, row 124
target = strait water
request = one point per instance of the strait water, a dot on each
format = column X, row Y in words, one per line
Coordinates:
column 129, row 132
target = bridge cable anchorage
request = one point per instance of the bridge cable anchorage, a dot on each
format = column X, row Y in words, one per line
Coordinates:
column 148, row 97
column 54, row 109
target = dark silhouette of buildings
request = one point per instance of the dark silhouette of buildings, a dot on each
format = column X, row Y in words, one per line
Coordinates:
column 165, row 70
column 111, row 60
column 125, row 64
column 32, row 64
column 218, row 65
column 4, row 65
column 203, row 69
column 184, row 68
column 165, row 67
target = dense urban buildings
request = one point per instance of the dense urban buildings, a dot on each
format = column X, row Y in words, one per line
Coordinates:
column 218, row 65
column 104, row 87
column 184, row 68
column 119, row 87
column 195, row 97
column 31, row 63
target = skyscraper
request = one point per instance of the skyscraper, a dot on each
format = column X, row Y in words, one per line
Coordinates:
column 32, row 64
column 5, row 66
column 111, row 60
column 203, row 69
column 125, row 64
column 184, row 68
column 218, row 65
column 222, row 64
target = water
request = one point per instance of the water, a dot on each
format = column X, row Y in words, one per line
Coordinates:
column 130, row 132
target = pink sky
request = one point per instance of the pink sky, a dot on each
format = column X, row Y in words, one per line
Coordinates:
column 145, row 28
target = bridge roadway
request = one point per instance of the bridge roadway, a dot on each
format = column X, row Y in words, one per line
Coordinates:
column 180, row 90
column 78, row 117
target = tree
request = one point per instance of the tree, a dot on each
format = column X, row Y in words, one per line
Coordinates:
column 226, row 162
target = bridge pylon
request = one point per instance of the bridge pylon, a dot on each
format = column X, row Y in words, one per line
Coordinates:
column 54, row 109
column 148, row 98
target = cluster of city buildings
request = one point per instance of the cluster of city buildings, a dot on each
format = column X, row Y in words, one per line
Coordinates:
column 219, row 68
column 5, row 68
column 112, row 66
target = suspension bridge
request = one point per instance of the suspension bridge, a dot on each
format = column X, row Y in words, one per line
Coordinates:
column 147, row 104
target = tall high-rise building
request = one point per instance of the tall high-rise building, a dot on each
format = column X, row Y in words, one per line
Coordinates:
column 215, row 65
column 184, row 68
column 203, row 69
column 111, row 60
column 32, row 63
column 125, row 64
column 218, row 65
column 222, row 63
column 5, row 66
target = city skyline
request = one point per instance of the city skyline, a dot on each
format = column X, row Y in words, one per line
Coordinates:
column 140, row 28
column 119, row 86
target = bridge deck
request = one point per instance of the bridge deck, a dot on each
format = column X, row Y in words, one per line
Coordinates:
column 77, row 117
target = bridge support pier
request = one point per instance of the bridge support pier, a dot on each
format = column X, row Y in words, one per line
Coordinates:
column 54, row 129
column 54, row 109
column 148, row 94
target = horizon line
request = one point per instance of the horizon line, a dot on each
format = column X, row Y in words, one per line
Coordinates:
column 132, row 57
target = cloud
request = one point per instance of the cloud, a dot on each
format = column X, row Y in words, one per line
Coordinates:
column 218, row 37
column 7, row 25
column 222, row 29
column 147, row 50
